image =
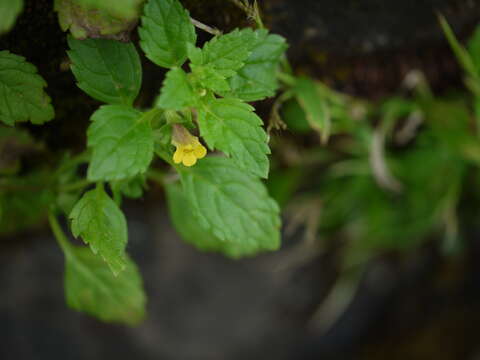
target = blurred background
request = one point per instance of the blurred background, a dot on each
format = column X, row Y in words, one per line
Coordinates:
column 381, row 224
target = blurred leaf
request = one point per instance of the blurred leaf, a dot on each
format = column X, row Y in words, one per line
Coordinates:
column 124, row 9
column 15, row 143
column 314, row 105
column 9, row 11
column 165, row 32
column 379, row 220
column 67, row 175
column 24, row 201
column 95, row 19
column 101, row 224
column 282, row 184
column 23, row 97
column 90, row 287
column 473, row 47
column 462, row 55
column 107, row 70
column 132, row 188
column 294, row 117
column 449, row 120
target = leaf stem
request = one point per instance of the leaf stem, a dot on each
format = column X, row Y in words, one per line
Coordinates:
column 286, row 78
column 83, row 157
column 74, row 186
column 151, row 114
column 156, row 176
column 60, row 235
column 205, row 28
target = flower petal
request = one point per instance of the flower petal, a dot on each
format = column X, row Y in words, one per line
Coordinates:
column 178, row 156
column 189, row 159
column 200, row 151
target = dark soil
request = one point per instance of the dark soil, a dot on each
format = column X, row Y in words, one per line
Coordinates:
column 203, row 306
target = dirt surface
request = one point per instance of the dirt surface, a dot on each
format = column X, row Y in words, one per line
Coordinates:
column 203, row 306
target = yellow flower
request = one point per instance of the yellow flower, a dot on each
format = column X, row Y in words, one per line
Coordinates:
column 189, row 149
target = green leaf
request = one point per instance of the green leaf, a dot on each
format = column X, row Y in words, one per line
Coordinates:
column 314, row 105
column 177, row 93
column 90, row 287
column 22, row 97
column 96, row 19
column 9, row 11
column 226, row 53
column 16, row 144
column 165, row 32
column 460, row 52
column 190, row 230
column 232, row 205
column 294, row 116
column 210, row 78
column 125, row 9
column 131, row 188
column 256, row 80
column 107, row 70
column 473, row 47
column 21, row 210
column 122, row 143
column 101, row 224
column 231, row 126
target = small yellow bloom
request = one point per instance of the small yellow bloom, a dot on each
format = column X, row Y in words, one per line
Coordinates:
column 189, row 149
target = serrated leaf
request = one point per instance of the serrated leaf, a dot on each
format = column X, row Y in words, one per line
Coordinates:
column 94, row 19
column 101, row 224
column 314, row 105
column 191, row 231
column 177, row 92
column 256, row 80
column 165, row 32
column 122, row 143
column 194, row 54
column 232, row 205
column 107, row 70
column 22, row 97
column 90, row 287
column 209, row 78
column 226, row 53
column 9, row 11
column 231, row 126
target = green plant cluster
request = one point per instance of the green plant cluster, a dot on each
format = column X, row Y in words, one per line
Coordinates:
column 373, row 175
column 220, row 204
column 392, row 174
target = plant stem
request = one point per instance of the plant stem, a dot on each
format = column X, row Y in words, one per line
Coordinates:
column 74, row 186
column 156, row 176
column 286, row 78
column 60, row 235
column 204, row 27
